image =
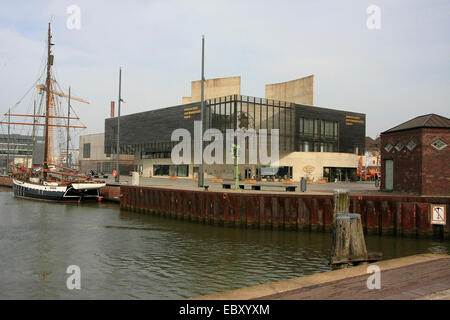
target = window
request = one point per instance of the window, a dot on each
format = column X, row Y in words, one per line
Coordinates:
column 307, row 128
column 87, row 150
column 179, row 170
column 388, row 147
column 329, row 129
column 399, row 146
column 306, row 146
column 160, row 170
column 107, row 167
column 411, row 145
column 321, row 133
column 171, row 170
column 439, row 144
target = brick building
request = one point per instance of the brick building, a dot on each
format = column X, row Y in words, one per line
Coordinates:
column 415, row 156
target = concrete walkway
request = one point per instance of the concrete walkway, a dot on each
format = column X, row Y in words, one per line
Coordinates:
column 424, row 276
column 313, row 188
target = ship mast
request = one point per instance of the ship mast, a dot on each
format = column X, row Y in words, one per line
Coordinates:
column 48, row 84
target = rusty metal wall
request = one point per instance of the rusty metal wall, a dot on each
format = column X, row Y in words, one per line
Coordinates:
column 384, row 215
column 6, row 182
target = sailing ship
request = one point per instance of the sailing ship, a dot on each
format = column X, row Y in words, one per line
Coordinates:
column 47, row 182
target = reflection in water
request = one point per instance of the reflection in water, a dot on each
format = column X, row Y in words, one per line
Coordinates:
column 124, row 255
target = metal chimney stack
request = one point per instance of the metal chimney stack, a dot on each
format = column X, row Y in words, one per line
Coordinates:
column 112, row 109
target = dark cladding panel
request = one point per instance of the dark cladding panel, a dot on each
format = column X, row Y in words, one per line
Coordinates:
column 156, row 125
column 152, row 129
column 352, row 126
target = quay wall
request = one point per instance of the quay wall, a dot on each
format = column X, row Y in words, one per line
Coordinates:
column 111, row 192
column 6, row 182
column 383, row 215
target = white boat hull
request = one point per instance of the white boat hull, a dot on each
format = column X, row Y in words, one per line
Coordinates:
column 81, row 191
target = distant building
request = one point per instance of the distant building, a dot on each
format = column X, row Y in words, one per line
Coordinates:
column 73, row 158
column 370, row 163
column 415, row 156
column 92, row 156
column 314, row 142
column 22, row 151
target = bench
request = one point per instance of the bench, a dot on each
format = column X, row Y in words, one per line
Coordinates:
column 256, row 187
column 291, row 188
column 228, row 186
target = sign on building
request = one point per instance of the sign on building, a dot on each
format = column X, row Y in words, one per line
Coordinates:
column 438, row 214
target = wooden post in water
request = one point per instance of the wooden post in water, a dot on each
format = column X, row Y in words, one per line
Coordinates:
column 348, row 238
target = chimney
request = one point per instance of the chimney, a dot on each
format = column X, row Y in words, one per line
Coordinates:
column 112, row 109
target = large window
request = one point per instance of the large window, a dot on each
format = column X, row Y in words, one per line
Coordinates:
column 171, row 170
column 179, row 170
column 107, row 167
column 318, row 135
column 307, row 127
column 329, row 129
column 86, row 150
column 160, row 170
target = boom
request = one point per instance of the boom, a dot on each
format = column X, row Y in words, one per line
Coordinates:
column 42, row 88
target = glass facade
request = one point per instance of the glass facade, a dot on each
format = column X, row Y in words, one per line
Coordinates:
column 171, row 170
column 316, row 135
column 301, row 127
column 245, row 112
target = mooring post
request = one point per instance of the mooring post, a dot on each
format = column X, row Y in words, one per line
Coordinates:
column 348, row 244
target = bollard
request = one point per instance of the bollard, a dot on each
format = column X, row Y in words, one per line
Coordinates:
column 303, row 185
column 348, row 243
column 135, row 178
column 341, row 202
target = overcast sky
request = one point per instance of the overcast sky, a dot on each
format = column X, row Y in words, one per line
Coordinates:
column 392, row 74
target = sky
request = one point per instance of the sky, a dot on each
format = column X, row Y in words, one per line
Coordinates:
column 391, row 74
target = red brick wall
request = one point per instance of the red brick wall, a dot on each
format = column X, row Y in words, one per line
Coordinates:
column 435, row 163
column 407, row 164
column 424, row 170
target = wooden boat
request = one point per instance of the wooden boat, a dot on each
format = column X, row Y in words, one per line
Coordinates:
column 47, row 183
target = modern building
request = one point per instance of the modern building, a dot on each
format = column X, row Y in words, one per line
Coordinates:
column 20, row 150
column 415, row 156
column 314, row 142
column 92, row 156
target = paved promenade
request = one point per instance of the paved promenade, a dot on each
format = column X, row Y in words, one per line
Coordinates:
column 277, row 187
column 424, row 276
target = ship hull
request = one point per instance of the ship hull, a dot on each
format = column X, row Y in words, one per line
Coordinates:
column 54, row 193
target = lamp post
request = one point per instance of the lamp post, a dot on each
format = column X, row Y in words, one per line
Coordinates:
column 236, row 165
column 118, row 128
column 200, row 170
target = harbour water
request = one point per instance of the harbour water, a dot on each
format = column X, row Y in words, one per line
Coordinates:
column 124, row 255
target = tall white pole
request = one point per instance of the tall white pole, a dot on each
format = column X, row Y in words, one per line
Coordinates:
column 200, row 171
column 118, row 127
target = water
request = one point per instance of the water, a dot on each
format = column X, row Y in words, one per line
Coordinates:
column 125, row 255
